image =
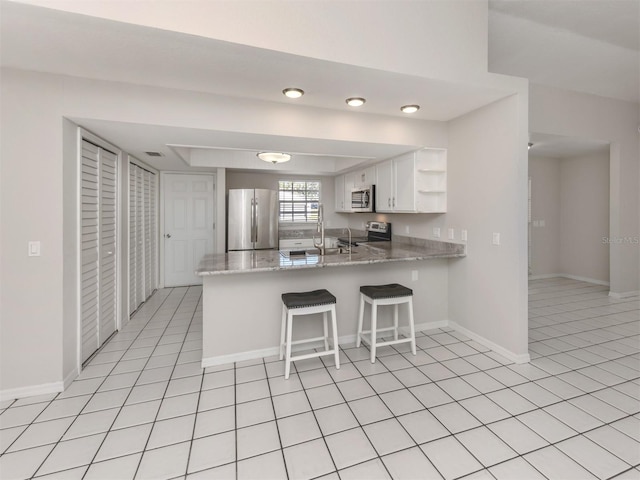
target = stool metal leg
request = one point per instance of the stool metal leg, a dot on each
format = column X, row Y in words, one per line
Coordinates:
column 334, row 329
column 412, row 327
column 360, row 321
column 283, row 330
column 374, row 321
column 287, row 367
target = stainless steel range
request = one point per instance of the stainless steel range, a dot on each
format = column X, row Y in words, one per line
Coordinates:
column 376, row 232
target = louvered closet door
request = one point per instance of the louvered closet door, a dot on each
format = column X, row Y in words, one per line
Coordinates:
column 108, row 237
column 134, row 302
column 143, row 242
column 148, row 289
column 99, row 222
column 153, row 215
column 139, row 236
column 90, row 249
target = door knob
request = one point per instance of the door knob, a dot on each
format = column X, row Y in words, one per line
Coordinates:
column 168, row 235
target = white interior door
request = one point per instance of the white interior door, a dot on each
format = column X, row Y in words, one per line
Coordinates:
column 189, row 233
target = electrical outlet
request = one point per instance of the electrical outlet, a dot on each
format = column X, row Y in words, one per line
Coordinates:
column 436, row 232
column 536, row 223
column 463, row 235
column 496, row 238
column 406, row 229
column 414, row 275
column 451, row 234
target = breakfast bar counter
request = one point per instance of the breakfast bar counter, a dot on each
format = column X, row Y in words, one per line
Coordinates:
column 242, row 291
column 254, row 261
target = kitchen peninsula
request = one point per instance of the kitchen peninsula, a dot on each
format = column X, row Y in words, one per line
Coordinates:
column 241, row 291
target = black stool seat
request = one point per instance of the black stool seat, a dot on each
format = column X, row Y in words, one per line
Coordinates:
column 308, row 299
column 386, row 291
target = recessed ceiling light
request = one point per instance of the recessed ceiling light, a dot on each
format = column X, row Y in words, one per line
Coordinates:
column 355, row 101
column 293, row 92
column 274, row 157
column 410, row 108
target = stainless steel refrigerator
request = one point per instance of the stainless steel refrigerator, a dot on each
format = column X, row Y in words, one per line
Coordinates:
column 252, row 219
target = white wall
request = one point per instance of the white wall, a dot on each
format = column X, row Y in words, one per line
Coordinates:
column 31, row 192
column 584, row 216
column 487, row 193
column 450, row 36
column 573, row 114
column 545, row 205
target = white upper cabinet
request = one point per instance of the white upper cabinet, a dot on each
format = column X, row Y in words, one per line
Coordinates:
column 365, row 177
column 347, row 182
column 340, row 194
column 384, row 186
column 414, row 182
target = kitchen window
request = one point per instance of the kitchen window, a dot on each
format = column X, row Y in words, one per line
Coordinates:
column 299, row 200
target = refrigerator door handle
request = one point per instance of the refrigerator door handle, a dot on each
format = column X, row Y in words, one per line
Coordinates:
column 253, row 220
column 257, row 213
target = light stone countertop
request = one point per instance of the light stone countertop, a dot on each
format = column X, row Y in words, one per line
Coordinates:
column 378, row 252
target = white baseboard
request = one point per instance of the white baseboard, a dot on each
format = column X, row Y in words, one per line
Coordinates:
column 514, row 357
column 267, row 352
column 569, row 276
column 70, row 378
column 619, row 296
column 31, row 391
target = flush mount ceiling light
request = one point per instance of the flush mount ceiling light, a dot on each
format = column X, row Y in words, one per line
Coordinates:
column 293, row 92
column 410, row 108
column 355, row 101
column 274, row 157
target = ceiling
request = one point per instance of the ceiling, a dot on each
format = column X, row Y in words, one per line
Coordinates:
column 589, row 46
column 41, row 39
column 586, row 46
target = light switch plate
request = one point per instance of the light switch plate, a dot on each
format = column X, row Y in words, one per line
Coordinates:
column 34, row 249
column 436, row 232
column 496, row 238
column 463, row 235
column 414, row 275
column 451, row 234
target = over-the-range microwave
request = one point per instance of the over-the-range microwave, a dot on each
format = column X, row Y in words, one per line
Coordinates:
column 363, row 199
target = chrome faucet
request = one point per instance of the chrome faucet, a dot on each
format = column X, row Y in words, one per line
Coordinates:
column 320, row 229
column 350, row 246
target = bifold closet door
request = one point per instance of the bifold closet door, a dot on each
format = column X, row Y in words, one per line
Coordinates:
column 98, row 284
column 143, row 256
column 108, row 245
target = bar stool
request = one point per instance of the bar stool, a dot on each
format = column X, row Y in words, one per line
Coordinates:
column 307, row 303
column 375, row 295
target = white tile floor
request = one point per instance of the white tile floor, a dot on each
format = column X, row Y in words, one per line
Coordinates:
column 144, row 408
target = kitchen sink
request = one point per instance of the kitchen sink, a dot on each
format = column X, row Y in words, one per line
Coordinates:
column 338, row 251
column 316, row 252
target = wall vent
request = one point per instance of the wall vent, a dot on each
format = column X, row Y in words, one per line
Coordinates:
column 154, row 154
